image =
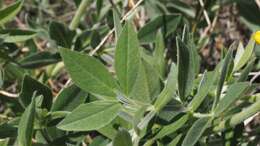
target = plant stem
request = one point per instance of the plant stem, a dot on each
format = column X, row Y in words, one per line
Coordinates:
column 239, row 117
column 246, row 113
column 80, row 11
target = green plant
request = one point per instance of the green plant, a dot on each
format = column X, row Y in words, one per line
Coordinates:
column 142, row 97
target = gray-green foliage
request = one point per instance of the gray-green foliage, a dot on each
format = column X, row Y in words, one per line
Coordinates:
column 111, row 79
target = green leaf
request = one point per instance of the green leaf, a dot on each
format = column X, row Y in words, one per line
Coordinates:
column 173, row 127
column 196, row 131
column 39, row 59
column 234, row 92
column 159, row 59
column 91, row 116
column 127, row 58
column 69, row 98
column 25, row 129
column 61, row 34
column 168, row 23
column 89, row 74
column 122, row 138
column 239, row 54
column 99, row 141
column 4, row 142
column 16, row 35
column 175, row 141
column 204, row 88
column 247, row 11
column 10, row 12
column 29, row 86
column 247, row 53
column 117, row 24
column 224, row 71
column 147, row 84
column 7, row 130
column 245, row 72
column 186, row 69
column 183, row 7
column 170, row 88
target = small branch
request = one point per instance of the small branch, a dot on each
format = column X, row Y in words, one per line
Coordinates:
column 79, row 13
column 5, row 117
column 258, row 3
column 255, row 77
column 12, row 95
column 112, row 30
column 205, row 12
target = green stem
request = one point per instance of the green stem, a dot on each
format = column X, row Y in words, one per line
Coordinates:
column 239, row 117
column 246, row 113
column 79, row 13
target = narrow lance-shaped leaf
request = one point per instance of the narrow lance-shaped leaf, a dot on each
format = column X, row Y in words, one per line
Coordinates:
column 171, row 128
column 25, row 128
column 147, row 85
column 89, row 74
column 175, row 141
column 159, row 59
column 10, row 12
column 186, row 71
column 117, row 24
column 224, row 72
column 122, row 138
column 206, row 83
column 91, row 116
column 247, row 53
column 127, row 58
column 39, row 59
column 17, row 35
column 245, row 72
column 171, row 86
column 234, row 92
column 196, row 131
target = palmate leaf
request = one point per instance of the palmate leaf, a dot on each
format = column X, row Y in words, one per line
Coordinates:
column 89, row 74
column 10, row 12
column 127, row 58
column 25, row 128
column 91, row 116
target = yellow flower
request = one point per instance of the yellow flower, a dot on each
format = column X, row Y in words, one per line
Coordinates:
column 257, row 37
